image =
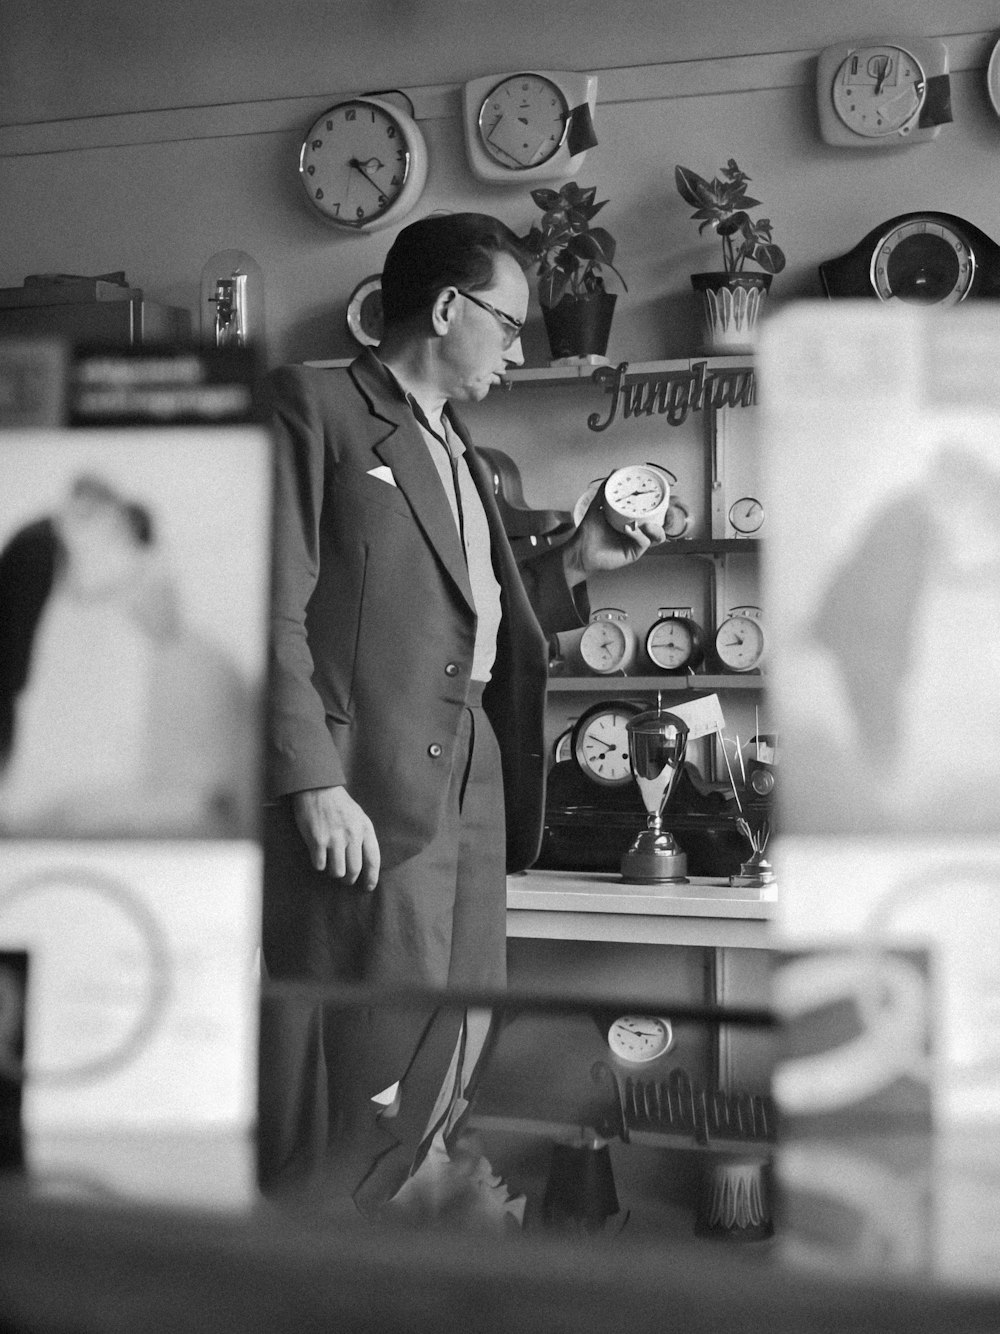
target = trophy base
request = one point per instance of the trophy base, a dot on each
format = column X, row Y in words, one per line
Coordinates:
column 753, row 874
column 654, row 859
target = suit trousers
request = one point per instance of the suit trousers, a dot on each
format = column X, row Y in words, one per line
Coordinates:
column 436, row 920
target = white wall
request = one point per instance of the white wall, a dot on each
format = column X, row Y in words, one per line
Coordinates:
column 184, row 124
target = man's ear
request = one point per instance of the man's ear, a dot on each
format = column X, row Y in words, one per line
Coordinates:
column 444, row 309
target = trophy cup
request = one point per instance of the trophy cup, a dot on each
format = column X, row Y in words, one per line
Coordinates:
column 657, row 741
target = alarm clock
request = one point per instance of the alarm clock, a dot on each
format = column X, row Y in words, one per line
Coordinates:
column 925, row 258
column 530, row 125
column 881, row 93
column 608, row 645
column 746, row 516
column 636, row 493
column 739, row 640
column 640, row 1037
column 363, row 163
column 599, row 742
column 674, row 642
column 677, row 519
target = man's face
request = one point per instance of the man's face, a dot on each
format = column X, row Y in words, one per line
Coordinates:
column 474, row 357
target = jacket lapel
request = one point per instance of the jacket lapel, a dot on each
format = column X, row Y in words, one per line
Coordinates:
column 403, row 449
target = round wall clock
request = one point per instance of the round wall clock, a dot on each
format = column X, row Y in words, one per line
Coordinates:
column 927, row 258
column 528, row 125
column 881, row 93
column 363, row 163
column 364, row 311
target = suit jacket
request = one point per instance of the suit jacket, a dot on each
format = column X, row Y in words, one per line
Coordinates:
column 373, row 619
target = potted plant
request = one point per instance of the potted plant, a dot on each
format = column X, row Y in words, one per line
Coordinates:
column 570, row 256
column 734, row 295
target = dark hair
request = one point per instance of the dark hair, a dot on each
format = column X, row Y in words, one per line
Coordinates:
column 443, row 250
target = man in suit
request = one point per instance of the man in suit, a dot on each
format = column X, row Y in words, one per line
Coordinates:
column 409, row 671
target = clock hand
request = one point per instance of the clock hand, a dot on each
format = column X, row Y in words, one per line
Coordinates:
column 360, row 166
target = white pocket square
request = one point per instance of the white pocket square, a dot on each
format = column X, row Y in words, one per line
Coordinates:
column 384, row 474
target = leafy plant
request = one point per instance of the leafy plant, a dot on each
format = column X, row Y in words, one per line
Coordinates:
column 724, row 204
column 569, row 254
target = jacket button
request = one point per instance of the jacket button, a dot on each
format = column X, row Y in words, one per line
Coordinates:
column 451, row 669
column 434, row 751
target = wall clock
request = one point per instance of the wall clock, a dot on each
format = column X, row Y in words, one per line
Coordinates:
column 882, row 93
column 529, row 125
column 927, row 258
column 363, row 163
column 364, row 311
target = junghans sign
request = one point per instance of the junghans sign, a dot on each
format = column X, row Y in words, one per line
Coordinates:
column 672, row 394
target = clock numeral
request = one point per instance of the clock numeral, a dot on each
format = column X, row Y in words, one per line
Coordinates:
column 400, row 154
column 317, row 143
column 319, row 194
column 382, row 201
column 395, row 182
column 311, row 171
column 360, row 211
column 390, row 131
column 351, row 113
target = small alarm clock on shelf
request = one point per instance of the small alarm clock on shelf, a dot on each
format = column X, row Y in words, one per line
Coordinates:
column 606, row 647
column 675, row 641
column 740, row 640
column 746, row 516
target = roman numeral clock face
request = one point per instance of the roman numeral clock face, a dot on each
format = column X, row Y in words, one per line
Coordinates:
column 363, row 164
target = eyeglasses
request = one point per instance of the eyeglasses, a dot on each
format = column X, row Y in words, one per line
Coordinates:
column 511, row 327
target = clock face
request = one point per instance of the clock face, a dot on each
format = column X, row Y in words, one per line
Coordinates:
column 634, row 494
column 879, row 90
column 746, row 514
column 605, row 646
column 522, row 121
column 739, row 642
column 362, row 164
column 676, row 519
column 600, row 743
column 671, row 645
column 924, row 261
column 640, row 1037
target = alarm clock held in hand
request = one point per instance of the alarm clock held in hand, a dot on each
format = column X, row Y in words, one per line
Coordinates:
column 634, row 494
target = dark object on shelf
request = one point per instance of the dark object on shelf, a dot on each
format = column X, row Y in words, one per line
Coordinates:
column 580, row 326
column 588, row 829
column 581, row 1186
column 128, row 321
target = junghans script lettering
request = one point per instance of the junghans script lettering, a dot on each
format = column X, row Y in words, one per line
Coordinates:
column 672, row 394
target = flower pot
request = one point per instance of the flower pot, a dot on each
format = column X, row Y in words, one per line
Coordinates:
column 732, row 303
column 580, row 326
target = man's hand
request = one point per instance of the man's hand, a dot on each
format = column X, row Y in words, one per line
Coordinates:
column 597, row 546
column 338, row 834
